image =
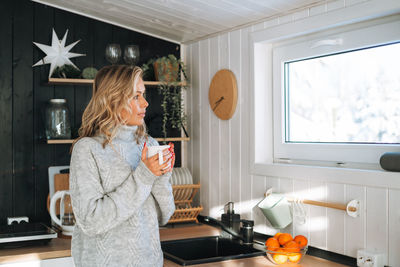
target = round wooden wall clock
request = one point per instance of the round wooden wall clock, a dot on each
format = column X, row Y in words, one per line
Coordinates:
column 222, row 94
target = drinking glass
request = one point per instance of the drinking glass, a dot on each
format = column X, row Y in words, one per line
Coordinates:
column 113, row 53
column 131, row 54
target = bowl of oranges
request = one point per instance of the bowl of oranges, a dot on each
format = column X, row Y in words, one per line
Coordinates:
column 283, row 248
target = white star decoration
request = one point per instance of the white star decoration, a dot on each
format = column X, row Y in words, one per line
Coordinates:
column 57, row 54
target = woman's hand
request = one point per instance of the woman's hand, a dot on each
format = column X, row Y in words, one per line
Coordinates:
column 153, row 165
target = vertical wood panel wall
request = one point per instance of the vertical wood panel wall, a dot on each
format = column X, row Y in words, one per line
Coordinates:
column 218, row 156
column 25, row 156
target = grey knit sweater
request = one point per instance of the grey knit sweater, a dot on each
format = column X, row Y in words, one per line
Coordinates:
column 118, row 203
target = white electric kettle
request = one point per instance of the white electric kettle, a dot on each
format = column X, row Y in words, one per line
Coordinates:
column 67, row 219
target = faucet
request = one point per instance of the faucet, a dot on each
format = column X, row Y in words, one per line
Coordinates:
column 247, row 229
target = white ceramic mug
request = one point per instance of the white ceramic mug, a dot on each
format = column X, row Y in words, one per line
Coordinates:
column 152, row 150
column 67, row 219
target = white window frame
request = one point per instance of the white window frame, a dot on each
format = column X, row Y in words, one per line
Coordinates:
column 261, row 147
column 350, row 37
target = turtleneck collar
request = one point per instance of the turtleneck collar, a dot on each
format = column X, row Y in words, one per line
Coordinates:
column 126, row 133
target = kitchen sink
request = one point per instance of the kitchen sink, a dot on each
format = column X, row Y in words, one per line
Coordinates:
column 207, row 249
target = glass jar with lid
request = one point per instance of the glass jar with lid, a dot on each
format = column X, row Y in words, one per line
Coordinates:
column 57, row 122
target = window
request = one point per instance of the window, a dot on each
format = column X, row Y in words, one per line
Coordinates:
column 350, row 97
column 337, row 95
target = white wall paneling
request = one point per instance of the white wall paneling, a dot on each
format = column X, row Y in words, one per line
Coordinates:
column 335, row 219
column 185, row 57
column 257, row 195
column 318, row 218
column 355, row 227
column 189, row 107
column 235, row 122
column 377, row 219
column 301, row 225
column 224, row 170
column 225, row 134
column 271, row 183
column 196, row 114
column 214, row 153
column 242, row 109
column 205, row 123
column 286, row 187
column 394, row 227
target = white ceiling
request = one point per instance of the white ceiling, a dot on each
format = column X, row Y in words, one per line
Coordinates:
column 180, row 21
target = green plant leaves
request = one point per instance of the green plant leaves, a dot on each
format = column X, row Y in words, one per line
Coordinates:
column 172, row 106
column 167, row 69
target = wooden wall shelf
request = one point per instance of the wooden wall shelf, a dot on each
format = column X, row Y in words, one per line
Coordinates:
column 70, row 141
column 60, row 141
column 60, row 81
column 172, row 139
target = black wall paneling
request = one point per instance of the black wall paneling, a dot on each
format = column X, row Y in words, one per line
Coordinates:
column 64, row 21
column 82, row 29
column 6, row 161
column 103, row 34
column 24, row 94
column 44, row 154
column 23, row 109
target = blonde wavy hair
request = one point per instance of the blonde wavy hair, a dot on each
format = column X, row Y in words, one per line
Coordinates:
column 113, row 88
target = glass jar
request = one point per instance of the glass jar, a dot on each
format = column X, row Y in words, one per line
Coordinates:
column 57, row 123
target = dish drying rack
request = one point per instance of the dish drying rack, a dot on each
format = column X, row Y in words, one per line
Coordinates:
column 183, row 198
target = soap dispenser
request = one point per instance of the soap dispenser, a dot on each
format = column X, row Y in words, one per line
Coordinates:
column 229, row 218
column 247, row 231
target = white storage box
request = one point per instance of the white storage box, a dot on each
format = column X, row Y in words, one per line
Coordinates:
column 276, row 209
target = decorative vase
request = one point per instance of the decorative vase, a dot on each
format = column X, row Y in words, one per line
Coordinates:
column 113, row 53
column 165, row 71
column 131, row 54
column 57, row 123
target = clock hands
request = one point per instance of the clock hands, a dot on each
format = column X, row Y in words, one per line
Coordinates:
column 218, row 102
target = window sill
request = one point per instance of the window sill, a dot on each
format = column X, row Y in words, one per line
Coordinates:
column 376, row 178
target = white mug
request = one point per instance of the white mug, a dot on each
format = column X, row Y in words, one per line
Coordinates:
column 67, row 219
column 152, row 150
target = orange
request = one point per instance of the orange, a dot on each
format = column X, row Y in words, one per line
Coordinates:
column 272, row 243
column 277, row 235
column 301, row 240
column 291, row 246
column 279, row 258
column 284, row 238
column 295, row 257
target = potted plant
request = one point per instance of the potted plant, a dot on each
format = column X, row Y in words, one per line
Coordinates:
column 167, row 70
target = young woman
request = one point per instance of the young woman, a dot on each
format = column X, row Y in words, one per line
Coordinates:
column 119, row 196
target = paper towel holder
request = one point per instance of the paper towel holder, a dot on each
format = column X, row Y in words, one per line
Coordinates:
column 352, row 208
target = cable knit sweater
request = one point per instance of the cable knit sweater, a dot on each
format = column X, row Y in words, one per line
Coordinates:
column 118, row 203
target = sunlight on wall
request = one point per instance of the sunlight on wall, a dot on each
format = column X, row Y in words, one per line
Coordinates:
column 315, row 193
column 249, row 210
column 215, row 212
column 318, row 224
